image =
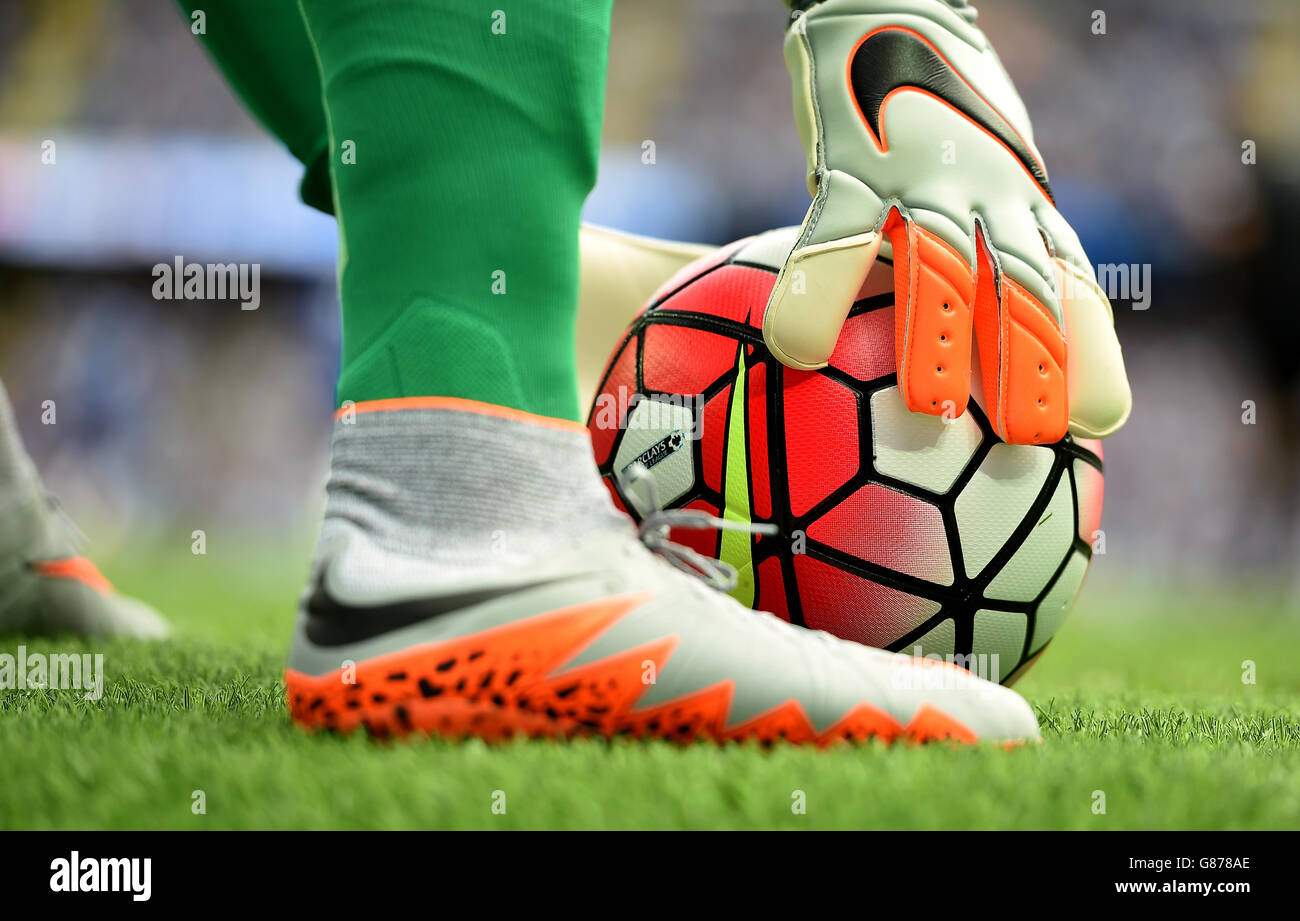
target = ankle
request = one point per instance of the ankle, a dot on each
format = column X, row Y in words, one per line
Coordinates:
column 469, row 485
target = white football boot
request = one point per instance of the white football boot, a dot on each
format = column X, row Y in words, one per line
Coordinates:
column 473, row 578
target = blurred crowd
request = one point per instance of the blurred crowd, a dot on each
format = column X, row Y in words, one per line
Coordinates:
column 1171, row 131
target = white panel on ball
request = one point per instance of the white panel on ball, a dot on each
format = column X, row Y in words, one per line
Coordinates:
column 658, row 434
column 926, row 451
column 1031, row 569
column 997, row 499
column 1057, row 603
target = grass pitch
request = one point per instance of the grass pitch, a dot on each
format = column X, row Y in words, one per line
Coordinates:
column 1143, row 707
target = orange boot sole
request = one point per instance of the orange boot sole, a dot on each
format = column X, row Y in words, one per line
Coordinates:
column 503, row 682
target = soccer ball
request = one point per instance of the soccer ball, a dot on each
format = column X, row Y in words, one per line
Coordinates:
column 910, row 532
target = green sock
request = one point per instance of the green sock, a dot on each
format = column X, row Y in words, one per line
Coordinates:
column 464, row 141
column 474, row 144
column 262, row 48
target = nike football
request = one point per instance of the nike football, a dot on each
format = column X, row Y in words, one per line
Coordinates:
column 917, row 533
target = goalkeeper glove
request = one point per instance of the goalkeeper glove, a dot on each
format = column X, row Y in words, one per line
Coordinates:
column 914, row 133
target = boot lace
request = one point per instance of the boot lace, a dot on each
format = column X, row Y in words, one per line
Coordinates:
column 639, row 485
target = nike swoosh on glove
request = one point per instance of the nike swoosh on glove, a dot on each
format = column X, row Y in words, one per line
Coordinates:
column 914, row 133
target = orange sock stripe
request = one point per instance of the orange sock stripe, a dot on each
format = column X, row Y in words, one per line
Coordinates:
column 77, row 568
column 457, row 404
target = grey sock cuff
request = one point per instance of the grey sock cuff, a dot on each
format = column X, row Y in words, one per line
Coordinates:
column 472, row 490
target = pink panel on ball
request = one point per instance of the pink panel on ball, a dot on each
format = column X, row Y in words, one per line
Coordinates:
column 682, row 360
column 821, row 436
column 855, row 608
column 891, row 529
column 865, row 348
column 733, row 292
